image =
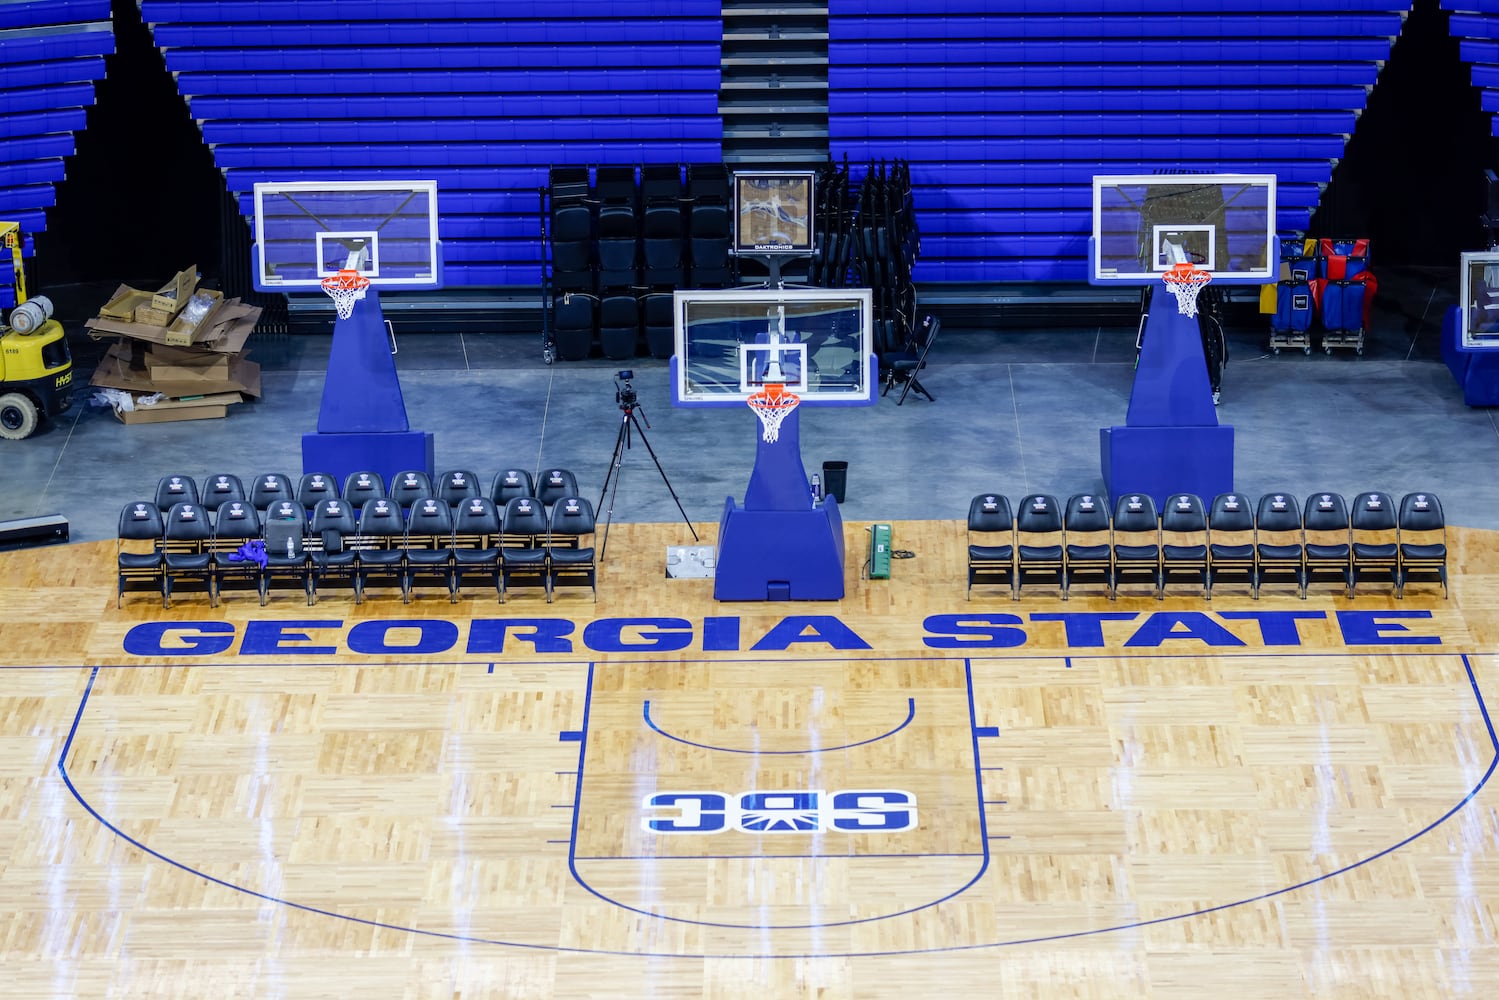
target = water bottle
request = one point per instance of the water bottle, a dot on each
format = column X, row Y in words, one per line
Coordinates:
column 291, row 548
column 816, row 489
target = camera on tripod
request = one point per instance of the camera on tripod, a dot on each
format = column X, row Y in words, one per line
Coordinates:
column 625, row 395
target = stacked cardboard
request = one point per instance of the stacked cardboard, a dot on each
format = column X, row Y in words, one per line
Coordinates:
column 178, row 351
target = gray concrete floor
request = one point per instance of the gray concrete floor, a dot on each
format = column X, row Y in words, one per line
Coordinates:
column 1018, row 408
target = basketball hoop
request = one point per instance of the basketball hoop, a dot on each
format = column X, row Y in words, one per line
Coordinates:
column 771, row 404
column 346, row 287
column 1185, row 281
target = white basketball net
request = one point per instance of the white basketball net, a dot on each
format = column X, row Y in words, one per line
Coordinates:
column 1185, row 281
column 772, row 404
column 346, row 288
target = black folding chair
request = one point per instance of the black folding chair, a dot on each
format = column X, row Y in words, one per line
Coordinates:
column 901, row 366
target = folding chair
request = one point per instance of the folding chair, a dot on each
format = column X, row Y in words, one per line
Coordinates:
column 138, row 548
column 1137, row 542
column 1423, row 540
column 1086, row 552
column 991, row 543
column 1375, row 538
column 1328, row 540
column 1184, row 541
column 902, row 366
column 1279, row 541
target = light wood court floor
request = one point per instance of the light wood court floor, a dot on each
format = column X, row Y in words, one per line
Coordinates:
column 901, row 794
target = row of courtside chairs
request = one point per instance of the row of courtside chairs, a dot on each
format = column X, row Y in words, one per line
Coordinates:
column 1274, row 538
column 519, row 532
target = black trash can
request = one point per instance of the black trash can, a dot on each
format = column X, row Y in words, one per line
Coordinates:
column 835, row 480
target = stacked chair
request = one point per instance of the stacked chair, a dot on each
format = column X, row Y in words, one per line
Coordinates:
column 886, row 243
column 709, row 229
column 569, row 279
column 618, row 240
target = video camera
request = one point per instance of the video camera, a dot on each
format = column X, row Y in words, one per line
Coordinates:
column 625, row 395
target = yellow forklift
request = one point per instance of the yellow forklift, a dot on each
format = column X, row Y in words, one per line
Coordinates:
column 36, row 371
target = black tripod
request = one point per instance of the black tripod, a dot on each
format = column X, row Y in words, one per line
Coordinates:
column 628, row 404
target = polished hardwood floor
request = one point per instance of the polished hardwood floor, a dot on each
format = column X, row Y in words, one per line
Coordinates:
column 904, row 793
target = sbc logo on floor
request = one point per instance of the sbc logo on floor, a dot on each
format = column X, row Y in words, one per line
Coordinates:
column 884, row 810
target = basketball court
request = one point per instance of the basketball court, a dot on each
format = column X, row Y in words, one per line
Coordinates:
column 899, row 793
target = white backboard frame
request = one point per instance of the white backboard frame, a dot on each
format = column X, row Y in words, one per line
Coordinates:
column 1253, row 256
column 282, row 216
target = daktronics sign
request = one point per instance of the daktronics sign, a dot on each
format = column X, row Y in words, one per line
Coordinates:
column 971, row 632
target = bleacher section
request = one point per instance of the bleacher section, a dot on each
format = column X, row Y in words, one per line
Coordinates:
column 480, row 97
column 1005, row 116
column 1476, row 24
column 51, row 53
column 1003, row 111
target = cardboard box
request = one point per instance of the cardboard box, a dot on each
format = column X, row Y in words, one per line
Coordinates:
column 209, row 366
column 131, row 305
column 172, row 296
column 226, row 330
column 168, row 410
column 124, row 302
column 183, row 328
column 114, row 372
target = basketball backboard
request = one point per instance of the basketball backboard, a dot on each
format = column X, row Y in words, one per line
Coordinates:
column 1223, row 223
column 1479, row 288
column 306, row 231
column 817, row 342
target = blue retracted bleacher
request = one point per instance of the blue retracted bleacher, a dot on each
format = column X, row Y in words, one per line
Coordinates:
column 87, row 41
column 481, row 98
column 517, row 34
column 51, row 52
column 73, row 95
column 1100, row 99
column 692, row 82
column 248, row 11
column 1005, row 113
column 85, row 69
column 41, row 123
column 883, row 124
column 47, row 12
column 674, row 108
column 956, row 79
column 1166, row 50
column 1076, row 24
column 19, row 199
